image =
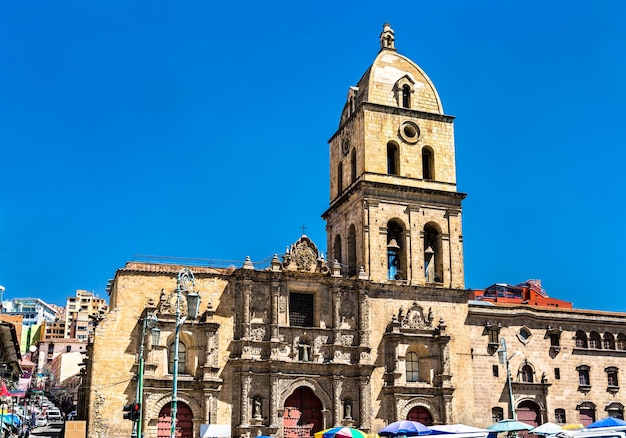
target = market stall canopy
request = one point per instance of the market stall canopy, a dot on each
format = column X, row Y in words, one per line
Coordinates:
column 406, row 428
column 214, row 430
column 340, row 432
column 607, row 422
column 547, row 429
column 510, row 426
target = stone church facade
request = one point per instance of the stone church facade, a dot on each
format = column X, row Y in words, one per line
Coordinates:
column 380, row 330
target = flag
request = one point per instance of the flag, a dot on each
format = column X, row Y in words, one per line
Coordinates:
column 4, row 392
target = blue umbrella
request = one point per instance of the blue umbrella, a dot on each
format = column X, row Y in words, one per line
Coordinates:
column 12, row 419
column 404, row 427
column 607, row 422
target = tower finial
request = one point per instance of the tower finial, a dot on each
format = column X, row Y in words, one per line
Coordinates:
column 387, row 38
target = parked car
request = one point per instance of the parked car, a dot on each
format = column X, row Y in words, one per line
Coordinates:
column 41, row 421
column 54, row 416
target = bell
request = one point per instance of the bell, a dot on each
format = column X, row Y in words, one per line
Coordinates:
column 429, row 251
column 393, row 245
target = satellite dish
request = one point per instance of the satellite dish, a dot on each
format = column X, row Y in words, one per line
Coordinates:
column 32, row 348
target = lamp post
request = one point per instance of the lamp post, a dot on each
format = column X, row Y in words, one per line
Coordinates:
column 149, row 322
column 186, row 283
column 504, row 360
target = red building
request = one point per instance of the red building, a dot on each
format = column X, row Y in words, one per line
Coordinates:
column 530, row 292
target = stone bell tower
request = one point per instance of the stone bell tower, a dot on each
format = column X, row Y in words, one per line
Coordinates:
column 394, row 207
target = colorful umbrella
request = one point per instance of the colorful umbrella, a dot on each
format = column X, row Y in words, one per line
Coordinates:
column 607, row 422
column 340, row 432
column 404, row 427
column 510, row 426
column 547, row 429
column 573, row 426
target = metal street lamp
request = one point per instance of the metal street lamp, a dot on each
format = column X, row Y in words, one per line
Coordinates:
column 504, row 360
column 149, row 322
column 186, row 283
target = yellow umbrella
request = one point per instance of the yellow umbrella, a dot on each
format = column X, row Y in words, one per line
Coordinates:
column 573, row 426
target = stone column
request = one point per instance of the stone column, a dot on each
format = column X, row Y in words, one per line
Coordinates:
column 275, row 294
column 337, row 389
column 364, row 318
column 245, row 390
column 365, row 415
column 247, row 292
column 273, row 402
column 336, row 320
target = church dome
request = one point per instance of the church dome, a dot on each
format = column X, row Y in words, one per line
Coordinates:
column 394, row 80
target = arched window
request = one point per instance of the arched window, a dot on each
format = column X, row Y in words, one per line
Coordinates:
column 615, row 410
column 433, row 260
column 353, row 166
column 428, row 163
column 608, row 342
column 406, row 96
column 621, row 342
column 412, row 367
column 581, row 339
column 396, row 258
column 182, row 358
column 526, row 374
column 352, row 268
column 497, row 414
column 583, row 375
column 611, row 376
column 594, row 340
column 337, row 249
column 339, row 179
column 393, row 163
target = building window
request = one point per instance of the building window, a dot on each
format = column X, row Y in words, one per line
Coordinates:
column 339, row 179
column 337, row 249
column 428, row 163
column 406, row 96
column 393, row 163
column 526, row 374
column 583, row 377
column 495, row 370
column 621, row 342
column 611, row 376
column 524, row 335
column 68, row 348
column 555, row 339
column 300, row 310
column 615, row 410
column 557, row 374
column 433, row 260
column 497, row 414
column 182, row 358
column 352, row 269
column 395, row 252
column 353, row 166
column 608, row 341
column 412, row 367
column 594, row 341
column 581, row 339
column 559, row 416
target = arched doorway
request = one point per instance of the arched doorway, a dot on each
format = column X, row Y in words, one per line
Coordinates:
column 528, row 412
column 302, row 415
column 184, row 425
column 420, row 414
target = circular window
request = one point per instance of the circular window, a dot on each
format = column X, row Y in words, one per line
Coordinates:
column 409, row 132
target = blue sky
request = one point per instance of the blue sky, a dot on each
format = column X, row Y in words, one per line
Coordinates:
column 194, row 129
